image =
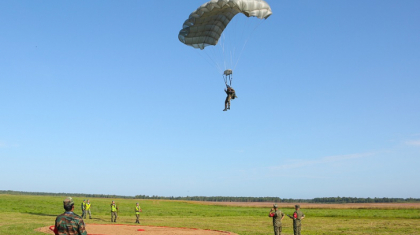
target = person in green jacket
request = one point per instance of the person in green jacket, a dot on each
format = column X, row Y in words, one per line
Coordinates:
column 297, row 217
column 277, row 218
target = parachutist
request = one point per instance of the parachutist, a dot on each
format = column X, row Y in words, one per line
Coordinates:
column 231, row 94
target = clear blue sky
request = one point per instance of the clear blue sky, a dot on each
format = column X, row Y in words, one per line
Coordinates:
column 101, row 97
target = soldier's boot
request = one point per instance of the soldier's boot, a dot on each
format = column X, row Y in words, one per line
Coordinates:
column 228, row 107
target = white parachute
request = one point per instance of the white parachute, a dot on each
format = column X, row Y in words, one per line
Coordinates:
column 206, row 25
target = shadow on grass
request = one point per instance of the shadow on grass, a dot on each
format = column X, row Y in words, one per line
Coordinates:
column 40, row 214
column 94, row 219
column 48, row 215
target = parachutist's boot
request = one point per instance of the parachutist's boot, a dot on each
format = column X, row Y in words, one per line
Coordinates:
column 225, row 109
column 228, row 108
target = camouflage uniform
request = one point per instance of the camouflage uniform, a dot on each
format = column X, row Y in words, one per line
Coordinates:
column 69, row 223
column 277, row 216
column 84, row 209
column 297, row 217
column 231, row 94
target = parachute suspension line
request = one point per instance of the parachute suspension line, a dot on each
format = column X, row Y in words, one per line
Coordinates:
column 246, row 41
column 222, row 42
column 218, row 67
column 238, row 54
column 232, row 40
column 210, row 61
column 216, row 55
column 228, row 79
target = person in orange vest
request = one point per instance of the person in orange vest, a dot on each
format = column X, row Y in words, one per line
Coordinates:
column 137, row 209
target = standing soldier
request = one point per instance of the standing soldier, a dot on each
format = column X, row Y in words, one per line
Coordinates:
column 87, row 209
column 277, row 218
column 114, row 212
column 137, row 210
column 69, row 222
column 297, row 217
column 83, row 209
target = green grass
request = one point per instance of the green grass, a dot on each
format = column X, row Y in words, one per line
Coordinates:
column 23, row 214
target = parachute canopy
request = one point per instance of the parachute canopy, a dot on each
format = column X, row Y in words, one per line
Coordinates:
column 205, row 25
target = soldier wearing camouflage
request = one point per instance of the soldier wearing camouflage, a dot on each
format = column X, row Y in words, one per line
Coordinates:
column 297, row 217
column 69, row 223
column 277, row 218
column 84, row 209
column 230, row 94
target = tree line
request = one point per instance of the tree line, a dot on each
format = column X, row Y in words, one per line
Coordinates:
column 324, row 200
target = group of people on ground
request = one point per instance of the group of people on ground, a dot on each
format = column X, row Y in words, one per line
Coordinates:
column 86, row 209
column 278, row 216
column 70, row 223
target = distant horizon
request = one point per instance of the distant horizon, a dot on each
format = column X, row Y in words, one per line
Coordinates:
column 157, row 197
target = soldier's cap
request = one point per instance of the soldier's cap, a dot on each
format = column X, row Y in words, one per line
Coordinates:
column 275, row 206
column 84, row 200
column 68, row 201
column 297, row 206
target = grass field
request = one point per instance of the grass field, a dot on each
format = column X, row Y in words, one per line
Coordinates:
column 22, row 214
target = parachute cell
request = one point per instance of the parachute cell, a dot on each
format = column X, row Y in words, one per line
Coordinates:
column 205, row 25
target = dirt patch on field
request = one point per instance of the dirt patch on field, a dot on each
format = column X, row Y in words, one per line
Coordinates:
column 120, row 229
column 320, row 206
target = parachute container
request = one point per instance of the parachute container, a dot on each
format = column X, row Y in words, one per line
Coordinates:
column 228, row 72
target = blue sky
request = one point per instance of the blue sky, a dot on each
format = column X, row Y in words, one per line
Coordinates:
column 101, row 97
